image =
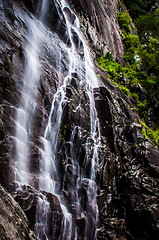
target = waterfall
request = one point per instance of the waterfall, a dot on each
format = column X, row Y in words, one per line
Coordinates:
column 27, row 103
column 49, row 178
column 90, row 83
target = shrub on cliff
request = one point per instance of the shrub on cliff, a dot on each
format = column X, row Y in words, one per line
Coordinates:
column 141, row 65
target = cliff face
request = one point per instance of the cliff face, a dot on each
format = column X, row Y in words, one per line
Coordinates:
column 61, row 130
column 100, row 26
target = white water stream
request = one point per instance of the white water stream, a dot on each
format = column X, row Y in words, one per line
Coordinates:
column 91, row 82
column 49, row 167
column 27, row 103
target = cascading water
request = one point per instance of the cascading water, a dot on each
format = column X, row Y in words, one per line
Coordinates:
column 90, row 82
column 49, row 168
column 27, row 103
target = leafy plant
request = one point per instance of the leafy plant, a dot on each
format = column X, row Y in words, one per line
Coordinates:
column 148, row 25
column 136, row 7
column 141, row 64
column 124, row 21
column 132, row 46
column 151, row 134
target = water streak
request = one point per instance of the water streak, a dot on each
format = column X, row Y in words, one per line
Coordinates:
column 49, row 168
column 28, row 102
column 90, row 82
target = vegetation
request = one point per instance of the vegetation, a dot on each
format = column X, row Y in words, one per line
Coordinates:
column 149, row 133
column 125, row 21
column 127, row 78
column 141, row 61
column 136, row 7
column 140, row 7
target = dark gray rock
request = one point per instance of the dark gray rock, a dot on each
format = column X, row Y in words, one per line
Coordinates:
column 152, row 156
column 28, row 198
column 13, row 222
column 129, row 191
column 98, row 19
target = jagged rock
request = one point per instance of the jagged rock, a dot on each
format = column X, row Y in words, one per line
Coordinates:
column 152, row 157
column 13, row 222
column 105, row 115
column 29, row 199
column 129, row 176
column 11, row 32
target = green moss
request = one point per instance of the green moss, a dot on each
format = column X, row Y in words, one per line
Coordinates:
column 135, row 97
column 62, row 133
column 142, row 108
column 151, row 134
column 124, row 90
column 124, row 21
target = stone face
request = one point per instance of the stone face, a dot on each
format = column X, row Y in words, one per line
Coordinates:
column 13, row 222
column 28, row 198
column 11, row 32
column 130, row 174
column 100, row 27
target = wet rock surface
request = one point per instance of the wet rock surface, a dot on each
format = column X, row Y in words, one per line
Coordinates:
column 128, row 170
column 98, row 19
column 128, row 199
column 11, row 64
column 28, row 198
column 13, row 222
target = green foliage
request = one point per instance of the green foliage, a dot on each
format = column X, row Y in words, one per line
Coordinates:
column 148, row 25
column 148, row 30
column 142, row 108
column 124, row 90
column 151, row 134
column 135, row 97
column 115, row 72
column 136, row 7
column 150, row 57
column 132, row 46
column 124, row 21
column 141, row 62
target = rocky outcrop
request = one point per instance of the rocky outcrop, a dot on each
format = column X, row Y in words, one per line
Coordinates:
column 13, row 222
column 29, row 199
column 100, row 26
column 128, row 199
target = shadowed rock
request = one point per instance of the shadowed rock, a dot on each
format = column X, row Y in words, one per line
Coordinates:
column 13, row 222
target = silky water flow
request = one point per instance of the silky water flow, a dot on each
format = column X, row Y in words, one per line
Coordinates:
column 49, row 181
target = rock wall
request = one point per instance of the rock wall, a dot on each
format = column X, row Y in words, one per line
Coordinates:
column 128, row 199
column 100, row 26
column 11, row 33
column 127, row 177
column 13, row 222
